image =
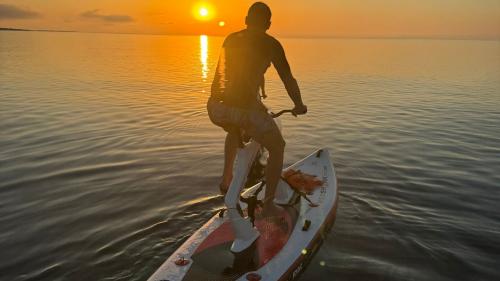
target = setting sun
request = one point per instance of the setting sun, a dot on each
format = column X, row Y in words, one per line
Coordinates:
column 203, row 11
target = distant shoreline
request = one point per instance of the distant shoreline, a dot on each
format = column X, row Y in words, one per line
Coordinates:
column 38, row 30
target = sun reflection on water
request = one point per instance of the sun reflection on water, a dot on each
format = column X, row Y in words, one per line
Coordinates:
column 204, row 56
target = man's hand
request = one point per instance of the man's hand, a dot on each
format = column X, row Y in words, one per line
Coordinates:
column 299, row 109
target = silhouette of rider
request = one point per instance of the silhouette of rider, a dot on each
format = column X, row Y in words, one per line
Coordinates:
column 235, row 102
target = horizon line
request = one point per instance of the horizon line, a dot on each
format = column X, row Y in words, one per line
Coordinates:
column 399, row 37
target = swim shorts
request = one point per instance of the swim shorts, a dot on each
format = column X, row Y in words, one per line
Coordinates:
column 255, row 123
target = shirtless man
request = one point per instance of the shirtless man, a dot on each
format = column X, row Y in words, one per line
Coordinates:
column 235, row 101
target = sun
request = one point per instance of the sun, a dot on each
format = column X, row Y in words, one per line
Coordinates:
column 203, row 11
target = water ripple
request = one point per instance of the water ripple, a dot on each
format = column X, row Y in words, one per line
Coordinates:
column 109, row 162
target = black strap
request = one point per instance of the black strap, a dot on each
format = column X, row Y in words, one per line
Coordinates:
column 296, row 190
column 252, row 202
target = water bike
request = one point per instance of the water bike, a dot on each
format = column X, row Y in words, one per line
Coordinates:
column 236, row 244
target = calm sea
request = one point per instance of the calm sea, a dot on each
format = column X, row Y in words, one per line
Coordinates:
column 108, row 161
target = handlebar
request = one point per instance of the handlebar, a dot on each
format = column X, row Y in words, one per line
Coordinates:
column 276, row 115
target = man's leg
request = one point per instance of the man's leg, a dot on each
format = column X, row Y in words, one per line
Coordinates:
column 274, row 143
column 230, row 150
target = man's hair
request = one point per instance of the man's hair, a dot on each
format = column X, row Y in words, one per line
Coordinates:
column 259, row 14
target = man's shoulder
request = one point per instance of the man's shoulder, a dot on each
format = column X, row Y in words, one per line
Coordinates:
column 273, row 42
column 233, row 36
column 243, row 33
column 270, row 37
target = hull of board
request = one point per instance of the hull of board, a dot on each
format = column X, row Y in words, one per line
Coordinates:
column 282, row 251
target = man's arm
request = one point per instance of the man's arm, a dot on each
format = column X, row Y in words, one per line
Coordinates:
column 281, row 64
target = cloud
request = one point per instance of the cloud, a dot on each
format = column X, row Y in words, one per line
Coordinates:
column 13, row 12
column 94, row 14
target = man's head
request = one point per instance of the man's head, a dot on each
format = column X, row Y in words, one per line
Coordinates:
column 259, row 16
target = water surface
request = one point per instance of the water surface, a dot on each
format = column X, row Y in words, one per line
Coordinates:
column 108, row 161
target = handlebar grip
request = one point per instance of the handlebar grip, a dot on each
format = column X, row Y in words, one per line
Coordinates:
column 275, row 115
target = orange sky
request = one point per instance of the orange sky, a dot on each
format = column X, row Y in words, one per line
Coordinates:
column 324, row 18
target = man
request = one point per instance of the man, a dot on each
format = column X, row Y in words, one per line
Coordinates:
column 235, row 101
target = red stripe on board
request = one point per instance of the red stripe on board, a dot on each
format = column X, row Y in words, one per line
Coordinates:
column 222, row 234
column 273, row 237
